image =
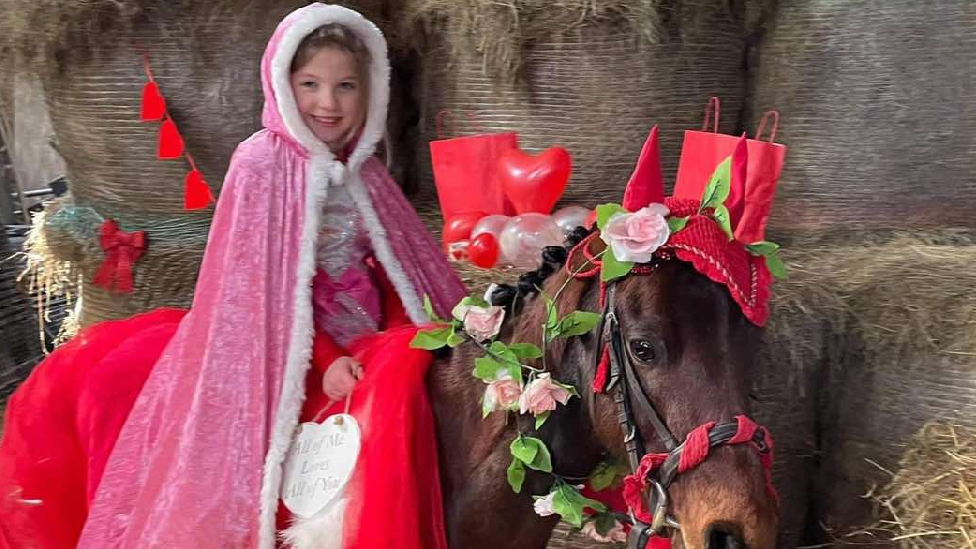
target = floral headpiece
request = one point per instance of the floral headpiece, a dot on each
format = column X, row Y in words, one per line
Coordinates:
column 701, row 232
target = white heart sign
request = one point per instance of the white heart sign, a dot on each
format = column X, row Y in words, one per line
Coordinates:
column 319, row 463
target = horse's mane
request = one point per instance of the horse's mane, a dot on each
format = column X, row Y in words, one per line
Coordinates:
column 526, row 305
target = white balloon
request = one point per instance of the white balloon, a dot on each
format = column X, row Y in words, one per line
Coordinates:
column 490, row 224
column 524, row 236
column 570, row 217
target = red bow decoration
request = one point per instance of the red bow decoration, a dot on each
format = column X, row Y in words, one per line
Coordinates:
column 122, row 250
column 170, row 144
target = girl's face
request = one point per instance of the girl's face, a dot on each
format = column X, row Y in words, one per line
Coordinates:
column 331, row 96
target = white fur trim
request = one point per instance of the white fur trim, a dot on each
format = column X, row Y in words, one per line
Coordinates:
column 381, row 247
column 299, row 356
column 379, row 74
column 323, row 169
column 322, row 531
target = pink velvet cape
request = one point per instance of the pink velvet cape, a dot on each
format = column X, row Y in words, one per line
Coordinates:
column 198, row 463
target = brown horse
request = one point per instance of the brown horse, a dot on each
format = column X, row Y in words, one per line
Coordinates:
column 692, row 350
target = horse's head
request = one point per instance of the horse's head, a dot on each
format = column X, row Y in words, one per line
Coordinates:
column 684, row 360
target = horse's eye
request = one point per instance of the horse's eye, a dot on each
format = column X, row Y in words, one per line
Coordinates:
column 642, row 350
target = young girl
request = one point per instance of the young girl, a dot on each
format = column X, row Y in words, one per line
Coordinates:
column 311, row 240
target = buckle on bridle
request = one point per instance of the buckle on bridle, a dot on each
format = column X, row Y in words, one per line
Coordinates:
column 661, row 522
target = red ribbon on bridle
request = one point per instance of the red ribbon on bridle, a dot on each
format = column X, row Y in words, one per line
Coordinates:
column 122, row 250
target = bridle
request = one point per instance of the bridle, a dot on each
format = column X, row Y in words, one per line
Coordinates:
column 646, row 489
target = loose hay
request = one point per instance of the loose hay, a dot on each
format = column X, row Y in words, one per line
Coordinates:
column 48, row 277
column 929, row 501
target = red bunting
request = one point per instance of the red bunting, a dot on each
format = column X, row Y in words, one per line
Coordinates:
column 196, row 194
column 170, row 141
column 170, row 145
column 153, row 104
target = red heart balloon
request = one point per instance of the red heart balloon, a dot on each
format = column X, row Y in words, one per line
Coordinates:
column 483, row 250
column 534, row 183
column 460, row 226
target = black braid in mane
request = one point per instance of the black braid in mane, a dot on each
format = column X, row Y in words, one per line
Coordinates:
column 529, row 283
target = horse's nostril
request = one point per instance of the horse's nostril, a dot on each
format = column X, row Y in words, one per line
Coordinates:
column 724, row 536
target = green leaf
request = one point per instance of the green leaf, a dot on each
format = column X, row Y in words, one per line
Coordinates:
column 724, row 220
column 431, row 339
column 525, row 449
column 762, row 248
column 571, row 511
column 605, row 475
column 612, row 268
column 605, row 211
column 677, row 223
column 604, row 522
column 540, row 419
column 776, row 266
column 578, row 323
column 516, row 475
column 515, row 372
column 503, row 352
column 719, row 186
column 485, row 409
column 454, row 339
column 543, row 459
column 533, row 453
column 525, row 351
column 486, row 368
column 429, row 308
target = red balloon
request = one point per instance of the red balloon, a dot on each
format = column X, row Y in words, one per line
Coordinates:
column 483, row 251
column 534, row 183
column 460, row 226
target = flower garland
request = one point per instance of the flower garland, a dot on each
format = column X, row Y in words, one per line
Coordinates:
column 512, row 386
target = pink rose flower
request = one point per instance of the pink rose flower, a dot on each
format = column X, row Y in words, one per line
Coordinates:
column 502, row 394
column 636, row 236
column 542, row 395
column 617, row 534
column 480, row 323
column 543, row 506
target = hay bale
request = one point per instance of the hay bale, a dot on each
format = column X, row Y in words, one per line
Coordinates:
column 877, row 109
column 799, row 342
column 929, row 501
column 907, row 359
column 594, row 87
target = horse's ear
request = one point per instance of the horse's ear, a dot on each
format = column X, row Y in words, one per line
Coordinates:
column 646, row 186
column 736, row 201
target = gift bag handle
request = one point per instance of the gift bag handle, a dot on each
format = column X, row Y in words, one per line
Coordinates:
column 762, row 125
column 710, row 107
column 440, row 120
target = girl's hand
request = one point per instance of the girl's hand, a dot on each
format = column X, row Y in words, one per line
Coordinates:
column 341, row 377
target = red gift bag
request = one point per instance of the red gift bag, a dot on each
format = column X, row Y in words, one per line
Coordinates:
column 465, row 172
column 703, row 150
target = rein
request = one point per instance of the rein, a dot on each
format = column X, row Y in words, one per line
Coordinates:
column 646, row 489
